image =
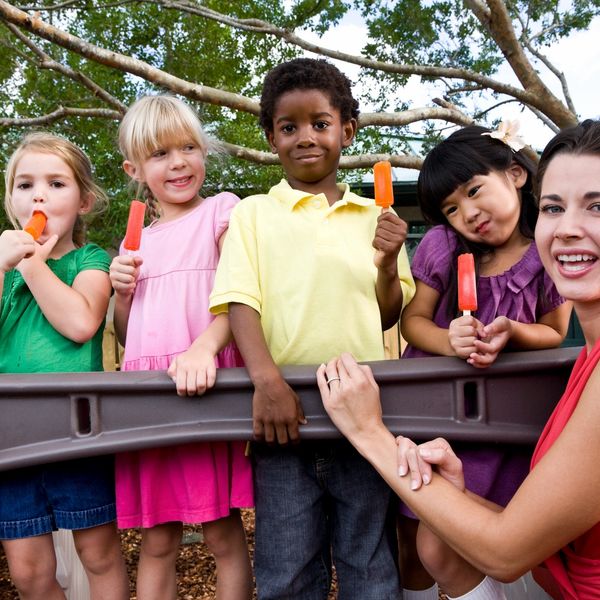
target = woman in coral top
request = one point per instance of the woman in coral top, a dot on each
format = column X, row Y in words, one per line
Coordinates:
column 554, row 517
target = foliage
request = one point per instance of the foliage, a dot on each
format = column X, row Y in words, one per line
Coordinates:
column 181, row 38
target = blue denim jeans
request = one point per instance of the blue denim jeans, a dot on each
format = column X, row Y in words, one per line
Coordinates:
column 316, row 502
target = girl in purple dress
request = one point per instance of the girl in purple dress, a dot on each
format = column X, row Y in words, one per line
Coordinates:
column 476, row 189
column 162, row 318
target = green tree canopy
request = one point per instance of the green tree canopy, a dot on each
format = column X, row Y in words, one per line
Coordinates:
column 73, row 66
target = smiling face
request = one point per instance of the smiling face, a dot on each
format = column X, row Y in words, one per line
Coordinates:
column 174, row 173
column 309, row 135
column 568, row 228
column 486, row 209
column 44, row 182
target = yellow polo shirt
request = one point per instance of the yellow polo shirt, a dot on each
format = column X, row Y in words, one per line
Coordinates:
column 307, row 269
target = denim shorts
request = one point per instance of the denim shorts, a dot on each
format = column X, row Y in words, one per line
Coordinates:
column 75, row 494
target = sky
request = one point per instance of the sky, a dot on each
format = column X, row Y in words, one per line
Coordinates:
column 577, row 56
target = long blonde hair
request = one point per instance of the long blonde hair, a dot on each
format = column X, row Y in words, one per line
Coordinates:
column 76, row 159
column 153, row 122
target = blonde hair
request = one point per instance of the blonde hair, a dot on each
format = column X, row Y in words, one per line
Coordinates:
column 75, row 158
column 153, row 122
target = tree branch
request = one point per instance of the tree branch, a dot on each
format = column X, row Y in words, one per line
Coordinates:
column 495, row 18
column 363, row 161
column 125, row 63
column 60, row 114
column 549, row 65
column 47, row 62
column 263, row 27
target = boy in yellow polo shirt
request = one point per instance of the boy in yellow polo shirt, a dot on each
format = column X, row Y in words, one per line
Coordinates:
column 308, row 271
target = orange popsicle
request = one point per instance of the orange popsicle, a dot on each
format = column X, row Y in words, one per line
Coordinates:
column 467, row 290
column 135, row 224
column 384, row 192
column 35, row 226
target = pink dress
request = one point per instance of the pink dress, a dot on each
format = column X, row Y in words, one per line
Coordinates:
column 193, row 483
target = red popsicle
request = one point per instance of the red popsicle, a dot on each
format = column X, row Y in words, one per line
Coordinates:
column 467, row 290
column 135, row 224
column 384, row 192
column 35, row 226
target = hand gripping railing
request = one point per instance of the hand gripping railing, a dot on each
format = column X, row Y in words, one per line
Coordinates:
column 56, row 416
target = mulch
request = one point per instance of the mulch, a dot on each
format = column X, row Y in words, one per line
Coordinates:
column 195, row 565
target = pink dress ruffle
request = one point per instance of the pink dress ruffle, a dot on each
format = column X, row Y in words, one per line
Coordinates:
column 193, row 483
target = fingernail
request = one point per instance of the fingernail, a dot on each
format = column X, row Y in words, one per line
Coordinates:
column 426, row 479
column 402, row 471
column 424, row 452
column 414, row 484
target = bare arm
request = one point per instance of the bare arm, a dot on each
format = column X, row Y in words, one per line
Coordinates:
column 74, row 311
column 14, row 246
column 276, row 408
column 548, row 332
column 390, row 235
column 549, row 510
column 502, row 332
column 124, row 273
column 417, row 325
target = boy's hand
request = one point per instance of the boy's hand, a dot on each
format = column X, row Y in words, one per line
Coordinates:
column 493, row 339
column 463, row 333
column 193, row 371
column 276, row 412
column 124, row 272
column 390, row 235
column 15, row 245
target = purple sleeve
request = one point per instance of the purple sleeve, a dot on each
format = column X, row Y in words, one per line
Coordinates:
column 431, row 261
column 224, row 203
column 553, row 298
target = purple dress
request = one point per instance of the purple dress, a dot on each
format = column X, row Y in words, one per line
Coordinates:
column 524, row 293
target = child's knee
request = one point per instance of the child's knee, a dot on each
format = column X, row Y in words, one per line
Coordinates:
column 33, row 578
column 161, row 541
column 434, row 554
column 225, row 536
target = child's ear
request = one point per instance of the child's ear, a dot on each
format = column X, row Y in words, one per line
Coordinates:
column 349, row 131
column 518, row 175
column 132, row 170
column 87, row 203
column 271, row 139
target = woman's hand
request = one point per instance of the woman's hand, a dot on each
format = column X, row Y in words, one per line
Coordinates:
column 417, row 460
column 350, row 397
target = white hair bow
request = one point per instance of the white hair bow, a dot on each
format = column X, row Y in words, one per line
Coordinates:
column 507, row 133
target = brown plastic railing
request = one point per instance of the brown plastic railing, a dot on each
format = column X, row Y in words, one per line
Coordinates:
column 56, row 416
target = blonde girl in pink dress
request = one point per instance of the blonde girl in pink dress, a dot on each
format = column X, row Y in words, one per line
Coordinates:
column 162, row 319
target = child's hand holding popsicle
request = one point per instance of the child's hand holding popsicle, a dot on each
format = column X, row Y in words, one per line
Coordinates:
column 464, row 331
column 15, row 245
column 391, row 230
column 125, row 269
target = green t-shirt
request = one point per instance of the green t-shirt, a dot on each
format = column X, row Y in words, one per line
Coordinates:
column 28, row 343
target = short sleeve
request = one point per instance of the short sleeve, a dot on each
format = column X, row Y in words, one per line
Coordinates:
column 92, row 257
column 552, row 299
column 224, row 203
column 237, row 278
column 432, row 258
column 407, row 282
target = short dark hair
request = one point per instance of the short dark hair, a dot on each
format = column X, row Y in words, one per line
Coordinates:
column 578, row 139
column 306, row 74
